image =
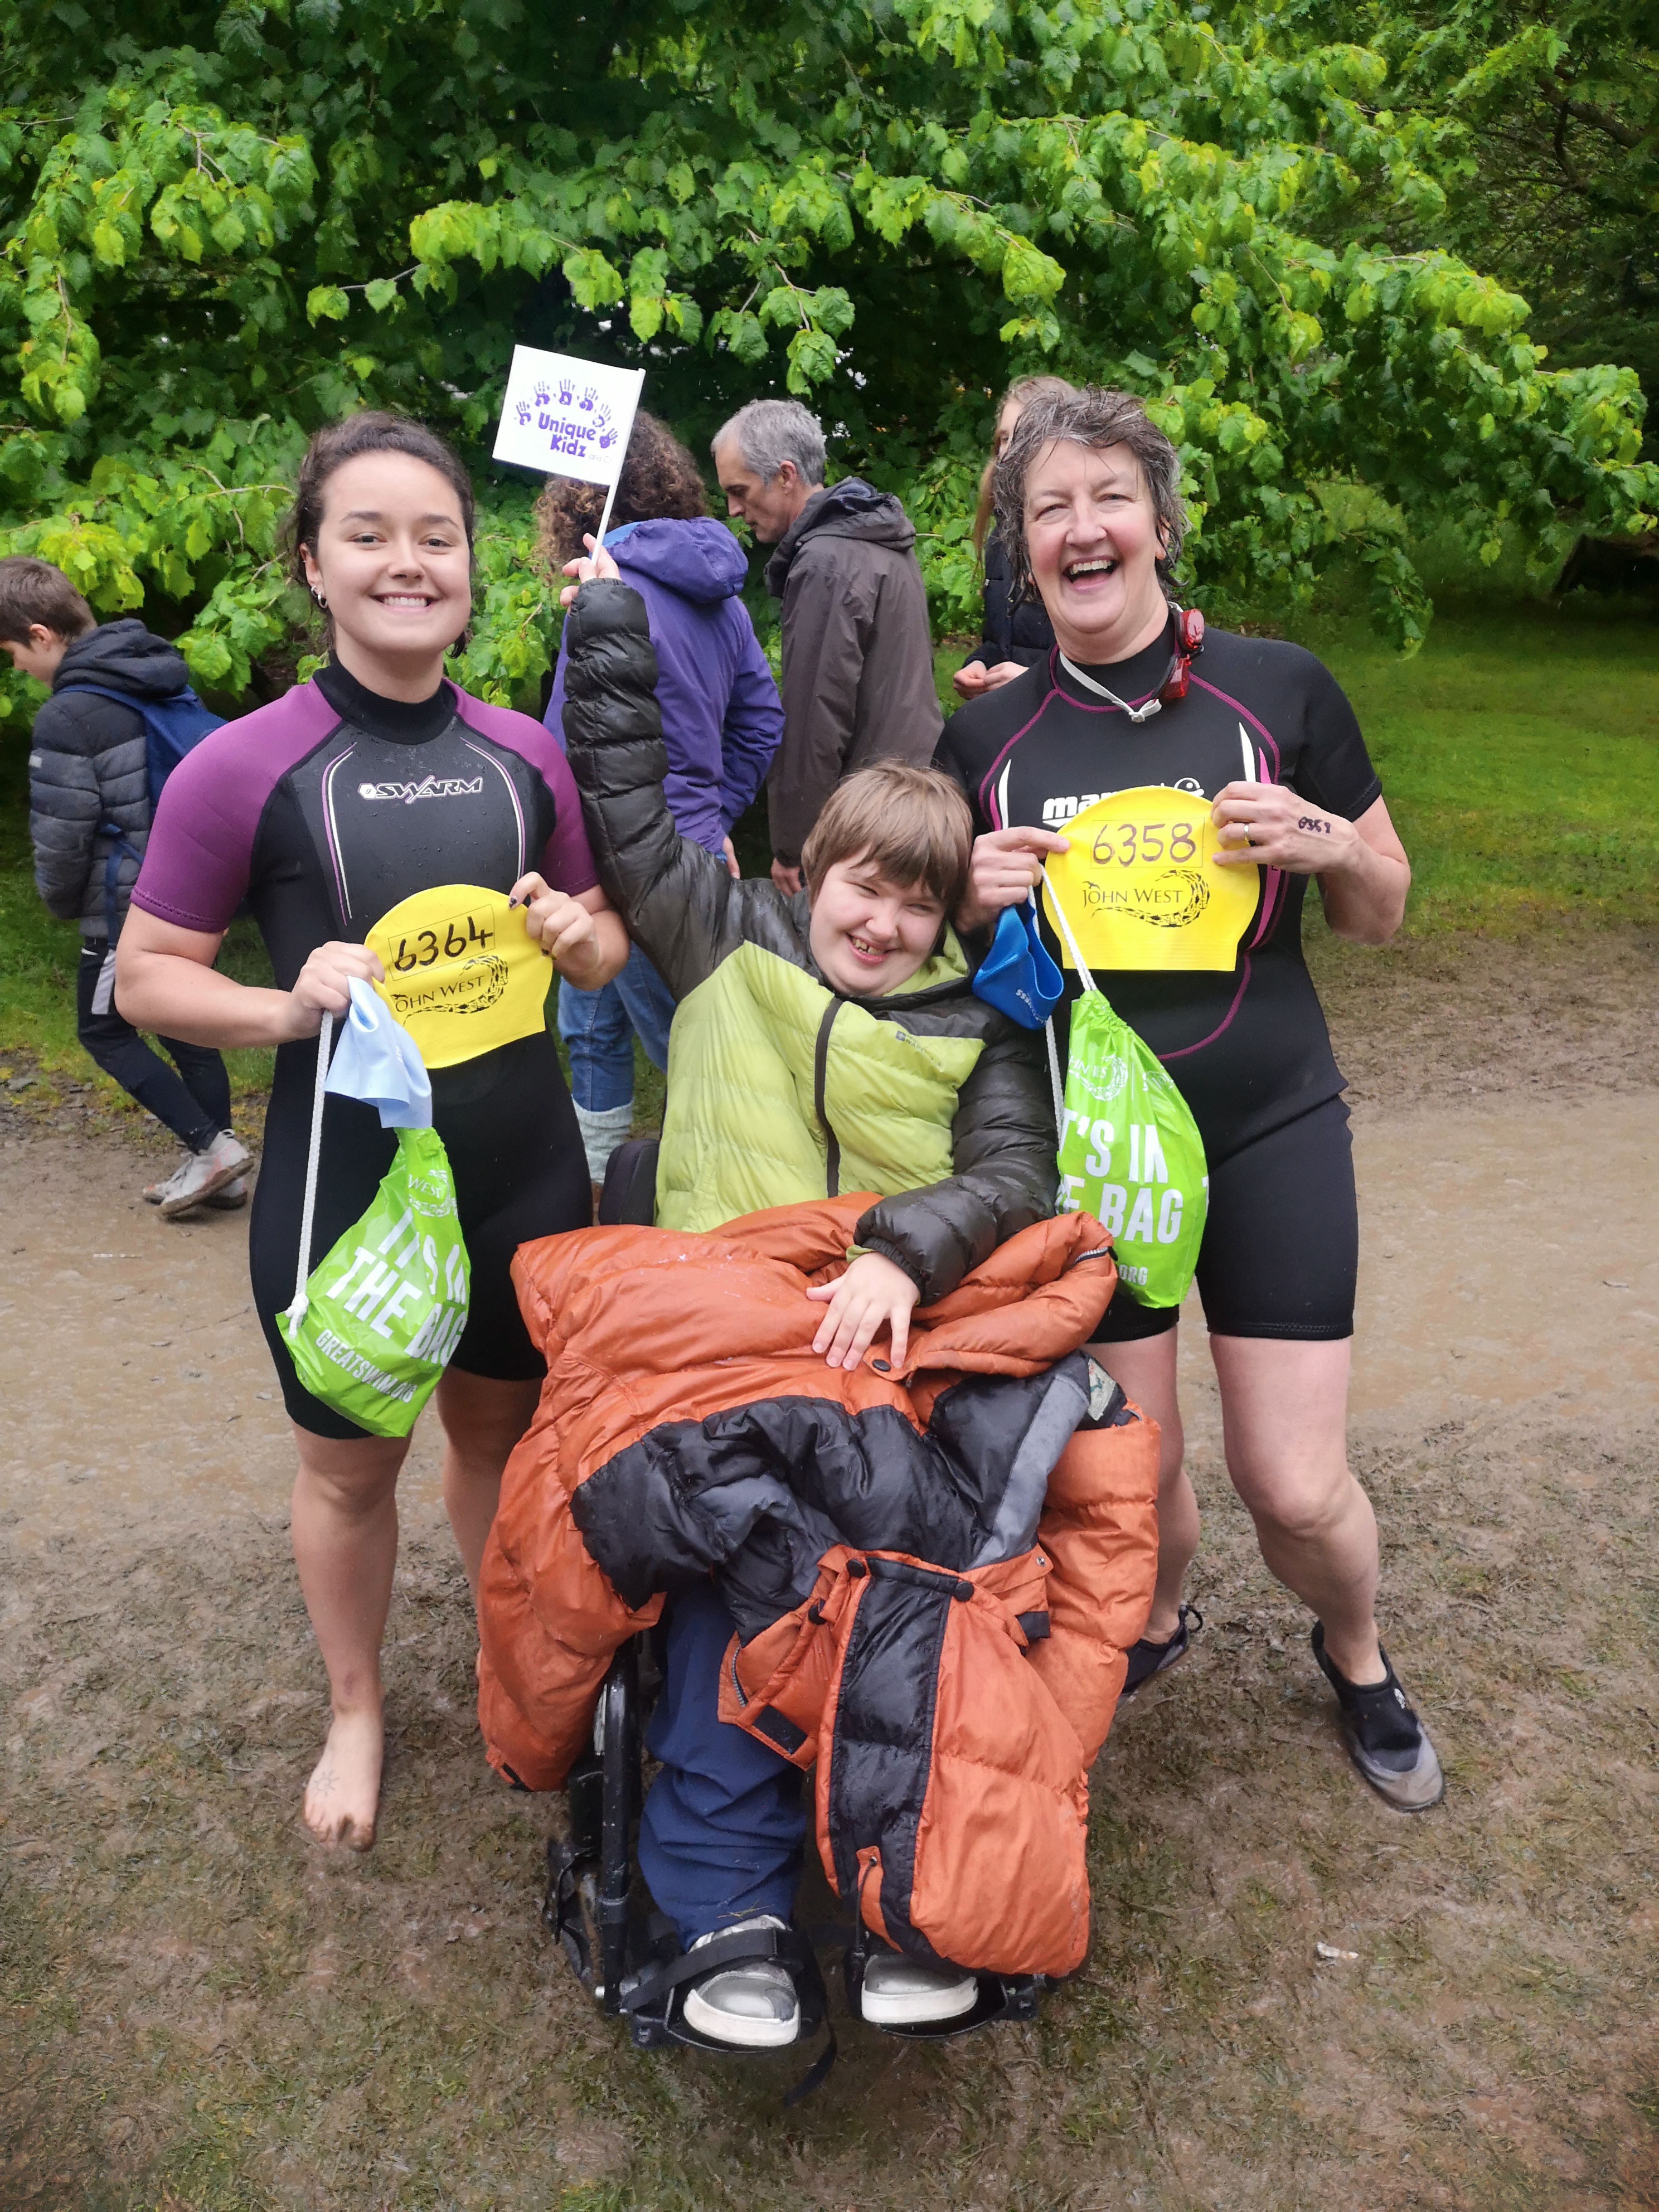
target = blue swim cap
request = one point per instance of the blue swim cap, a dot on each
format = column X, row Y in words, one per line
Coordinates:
column 1016, row 976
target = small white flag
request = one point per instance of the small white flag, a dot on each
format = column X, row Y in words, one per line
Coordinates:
column 567, row 417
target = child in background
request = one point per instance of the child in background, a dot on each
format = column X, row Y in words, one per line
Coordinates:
column 89, row 818
column 823, row 1042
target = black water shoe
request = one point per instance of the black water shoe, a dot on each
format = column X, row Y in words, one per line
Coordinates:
column 1146, row 1659
column 1385, row 1738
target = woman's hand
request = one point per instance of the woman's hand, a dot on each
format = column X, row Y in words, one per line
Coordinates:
column 321, row 986
column 565, row 929
column 1268, row 824
column 1005, row 866
column 874, row 1293
column 975, row 679
column 1361, row 868
column 598, row 563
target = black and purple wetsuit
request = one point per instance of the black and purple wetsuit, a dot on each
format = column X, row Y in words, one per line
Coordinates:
column 324, row 811
column 1248, row 1048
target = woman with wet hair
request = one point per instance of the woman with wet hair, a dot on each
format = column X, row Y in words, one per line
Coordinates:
column 376, row 780
column 1132, row 696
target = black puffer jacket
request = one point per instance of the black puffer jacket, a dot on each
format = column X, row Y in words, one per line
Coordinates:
column 692, row 919
column 1022, row 631
column 88, row 767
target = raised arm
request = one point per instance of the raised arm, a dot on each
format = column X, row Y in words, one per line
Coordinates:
column 678, row 903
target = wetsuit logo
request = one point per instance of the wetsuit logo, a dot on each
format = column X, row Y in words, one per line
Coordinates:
column 431, row 786
column 1058, row 811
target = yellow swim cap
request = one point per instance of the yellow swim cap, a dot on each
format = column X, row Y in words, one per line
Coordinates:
column 1141, row 888
column 461, row 973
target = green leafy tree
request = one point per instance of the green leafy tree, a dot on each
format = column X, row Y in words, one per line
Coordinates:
column 256, row 216
column 1546, row 140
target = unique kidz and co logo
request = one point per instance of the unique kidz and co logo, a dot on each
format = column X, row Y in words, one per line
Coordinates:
column 577, row 420
column 431, row 786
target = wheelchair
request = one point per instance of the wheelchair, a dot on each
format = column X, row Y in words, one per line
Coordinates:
column 625, row 1952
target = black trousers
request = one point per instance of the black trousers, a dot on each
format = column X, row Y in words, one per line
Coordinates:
column 195, row 1104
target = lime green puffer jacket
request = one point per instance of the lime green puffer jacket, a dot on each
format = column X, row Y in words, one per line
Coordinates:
column 779, row 1089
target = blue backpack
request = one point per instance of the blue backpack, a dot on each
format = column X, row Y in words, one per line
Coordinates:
column 172, row 727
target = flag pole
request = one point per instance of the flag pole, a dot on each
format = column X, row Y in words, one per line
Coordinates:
column 610, row 502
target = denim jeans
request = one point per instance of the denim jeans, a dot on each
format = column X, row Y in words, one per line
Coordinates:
column 599, row 1029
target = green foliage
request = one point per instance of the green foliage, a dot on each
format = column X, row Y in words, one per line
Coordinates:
column 1544, row 133
column 253, row 219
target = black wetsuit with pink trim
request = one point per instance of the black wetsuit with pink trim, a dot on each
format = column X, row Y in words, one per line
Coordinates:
column 1248, row 1048
column 324, row 811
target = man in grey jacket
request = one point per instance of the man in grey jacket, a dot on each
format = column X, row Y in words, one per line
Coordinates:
column 89, row 815
column 858, row 653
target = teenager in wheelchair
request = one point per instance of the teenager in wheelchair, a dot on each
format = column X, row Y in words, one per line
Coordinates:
column 818, row 1418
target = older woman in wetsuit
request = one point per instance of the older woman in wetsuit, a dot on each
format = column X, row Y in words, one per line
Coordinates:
column 1089, row 510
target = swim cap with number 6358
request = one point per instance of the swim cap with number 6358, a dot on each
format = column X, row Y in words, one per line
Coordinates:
column 1141, row 887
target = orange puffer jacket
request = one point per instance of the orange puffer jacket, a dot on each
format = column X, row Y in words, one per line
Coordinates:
column 934, row 1570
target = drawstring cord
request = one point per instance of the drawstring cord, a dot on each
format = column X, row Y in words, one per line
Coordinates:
column 297, row 1312
column 1056, row 1081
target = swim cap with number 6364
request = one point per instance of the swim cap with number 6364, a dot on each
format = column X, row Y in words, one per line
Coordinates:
column 462, row 973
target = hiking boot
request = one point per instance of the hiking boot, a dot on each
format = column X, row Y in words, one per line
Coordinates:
column 1385, row 1738
column 202, row 1174
column 899, row 1993
column 233, row 1195
column 752, row 2007
column 1146, row 1659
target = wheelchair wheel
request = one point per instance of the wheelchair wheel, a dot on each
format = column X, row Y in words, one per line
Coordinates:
column 590, row 1905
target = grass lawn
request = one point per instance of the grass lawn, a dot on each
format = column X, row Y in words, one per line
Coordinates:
column 1520, row 753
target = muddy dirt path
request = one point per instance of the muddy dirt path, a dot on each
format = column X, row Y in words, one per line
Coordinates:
column 201, row 2011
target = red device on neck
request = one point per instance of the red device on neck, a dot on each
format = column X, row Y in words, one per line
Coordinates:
column 1189, row 643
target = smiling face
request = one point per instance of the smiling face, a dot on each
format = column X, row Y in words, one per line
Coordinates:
column 1094, row 544
column 870, row 935
column 392, row 562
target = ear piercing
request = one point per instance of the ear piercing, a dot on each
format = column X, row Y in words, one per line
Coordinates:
column 317, row 594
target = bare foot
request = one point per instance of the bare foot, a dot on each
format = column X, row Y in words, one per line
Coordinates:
column 344, row 1793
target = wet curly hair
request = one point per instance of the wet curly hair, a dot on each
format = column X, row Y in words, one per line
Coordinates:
column 1095, row 418
column 659, row 481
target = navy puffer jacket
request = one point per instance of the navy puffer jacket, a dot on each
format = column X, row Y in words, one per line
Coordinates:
column 88, row 767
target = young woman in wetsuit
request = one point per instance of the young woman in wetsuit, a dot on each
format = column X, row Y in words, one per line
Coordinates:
column 375, row 781
column 1090, row 511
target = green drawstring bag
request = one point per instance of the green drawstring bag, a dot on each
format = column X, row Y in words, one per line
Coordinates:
column 1129, row 1149
column 373, row 1327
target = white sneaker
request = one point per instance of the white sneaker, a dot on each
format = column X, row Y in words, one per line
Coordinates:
column 898, row 1993
column 155, row 1192
column 202, row 1174
column 752, row 2007
column 233, row 1195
